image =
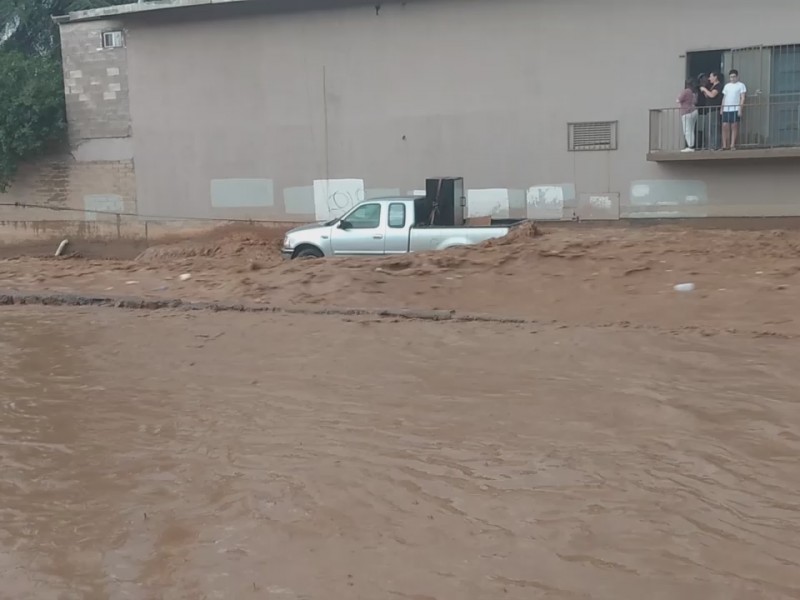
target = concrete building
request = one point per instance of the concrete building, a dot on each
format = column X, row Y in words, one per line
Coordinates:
column 279, row 109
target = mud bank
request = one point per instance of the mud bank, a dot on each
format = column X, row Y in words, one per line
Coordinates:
column 134, row 303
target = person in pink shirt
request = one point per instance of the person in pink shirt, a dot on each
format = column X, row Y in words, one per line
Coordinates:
column 687, row 102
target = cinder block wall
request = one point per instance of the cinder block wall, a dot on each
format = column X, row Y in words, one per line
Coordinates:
column 74, row 190
column 95, row 83
column 96, row 174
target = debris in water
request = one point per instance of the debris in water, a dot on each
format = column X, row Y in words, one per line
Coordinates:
column 61, row 247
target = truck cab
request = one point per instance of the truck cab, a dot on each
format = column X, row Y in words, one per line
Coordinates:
column 374, row 227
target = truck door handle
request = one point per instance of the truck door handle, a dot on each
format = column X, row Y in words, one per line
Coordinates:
column 377, row 237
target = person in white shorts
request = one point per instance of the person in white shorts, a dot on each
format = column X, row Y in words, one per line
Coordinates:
column 687, row 102
column 733, row 97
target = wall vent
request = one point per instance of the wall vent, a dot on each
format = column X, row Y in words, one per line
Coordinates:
column 594, row 135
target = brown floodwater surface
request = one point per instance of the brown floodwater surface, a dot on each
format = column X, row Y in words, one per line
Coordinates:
column 170, row 455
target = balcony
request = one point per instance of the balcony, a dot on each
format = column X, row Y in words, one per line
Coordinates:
column 768, row 130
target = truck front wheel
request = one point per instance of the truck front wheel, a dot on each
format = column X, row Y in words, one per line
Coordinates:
column 309, row 252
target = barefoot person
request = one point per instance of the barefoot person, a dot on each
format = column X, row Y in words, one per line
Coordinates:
column 733, row 97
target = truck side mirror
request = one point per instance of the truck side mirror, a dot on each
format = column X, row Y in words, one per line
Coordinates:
column 345, row 225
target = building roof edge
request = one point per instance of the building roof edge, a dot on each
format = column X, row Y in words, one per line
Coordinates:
column 112, row 12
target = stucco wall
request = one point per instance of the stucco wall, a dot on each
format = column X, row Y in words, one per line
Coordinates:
column 251, row 114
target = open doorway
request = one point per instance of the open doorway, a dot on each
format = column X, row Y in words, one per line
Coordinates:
column 704, row 62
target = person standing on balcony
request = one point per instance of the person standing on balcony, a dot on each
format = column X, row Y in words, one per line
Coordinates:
column 733, row 96
column 687, row 101
column 711, row 122
column 701, row 137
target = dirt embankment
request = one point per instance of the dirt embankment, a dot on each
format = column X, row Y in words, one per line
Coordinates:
column 744, row 280
column 248, row 242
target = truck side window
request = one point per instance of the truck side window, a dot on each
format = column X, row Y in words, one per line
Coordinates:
column 367, row 216
column 397, row 215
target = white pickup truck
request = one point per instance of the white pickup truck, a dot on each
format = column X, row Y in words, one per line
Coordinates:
column 384, row 226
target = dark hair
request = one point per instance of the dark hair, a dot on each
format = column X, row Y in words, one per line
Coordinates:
column 691, row 83
column 734, row 72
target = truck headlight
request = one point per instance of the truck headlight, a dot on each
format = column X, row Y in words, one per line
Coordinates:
column 288, row 244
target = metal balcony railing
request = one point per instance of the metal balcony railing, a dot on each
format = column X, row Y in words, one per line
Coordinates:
column 763, row 126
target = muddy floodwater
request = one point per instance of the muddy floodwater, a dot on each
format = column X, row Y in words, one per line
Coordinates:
column 169, row 455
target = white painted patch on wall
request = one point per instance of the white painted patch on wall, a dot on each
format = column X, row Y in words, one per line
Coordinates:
column 600, row 202
column 75, row 74
column 242, row 193
column 493, row 202
column 109, row 96
column 664, row 198
column 599, row 206
column 669, row 192
column 546, row 202
column 418, row 193
column 112, row 71
column 334, row 197
column 102, row 203
column 640, row 190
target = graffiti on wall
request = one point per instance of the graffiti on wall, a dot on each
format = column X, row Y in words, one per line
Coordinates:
column 331, row 198
column 334, row 197
column 551, row 202
column 545, row 202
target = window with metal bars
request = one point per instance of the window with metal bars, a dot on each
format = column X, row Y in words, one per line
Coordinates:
column 592, row 135
column 113, row 39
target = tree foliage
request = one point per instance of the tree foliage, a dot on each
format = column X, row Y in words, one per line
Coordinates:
column 29, row 26
column 31, row 79
column 31, row 108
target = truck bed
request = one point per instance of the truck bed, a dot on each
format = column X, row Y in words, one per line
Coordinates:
column 422, row 238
